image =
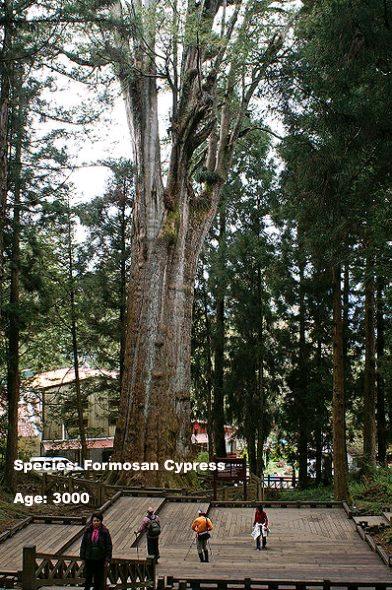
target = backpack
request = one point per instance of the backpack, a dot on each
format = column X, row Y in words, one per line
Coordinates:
column 153, row 528
column 205, row 535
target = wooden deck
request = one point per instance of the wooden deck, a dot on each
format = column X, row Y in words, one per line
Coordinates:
column 176, row 520
column 48, row 538
column 305, row 544
column 122, row 519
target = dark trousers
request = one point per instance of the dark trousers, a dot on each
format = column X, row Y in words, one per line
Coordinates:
column 258, row 541
column 153, row 547
column 95, row 570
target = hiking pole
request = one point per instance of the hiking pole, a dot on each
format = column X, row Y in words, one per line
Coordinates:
column 209, row 545
column 190, row 547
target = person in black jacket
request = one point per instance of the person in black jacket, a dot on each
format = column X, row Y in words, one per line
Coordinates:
column 96, row 550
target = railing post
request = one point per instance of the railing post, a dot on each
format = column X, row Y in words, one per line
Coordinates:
column 268, row 480
column 100, row 495
column 327, row 585
column 28, row 572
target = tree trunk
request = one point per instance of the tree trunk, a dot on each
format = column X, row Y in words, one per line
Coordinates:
column 318, row 435
column 338, row 401
column 369, row 394
column 319, row 455
column 346, row 300
column 252, row 454
column 75, row 352
column 260, row 450
column 346, row 327
column 123, row 278
column 219, row 341
column 4, row 131
column 303, row 417
column 154, row 421
column 382, row 432
column 260, row 385
column 210, row 418
column 13, row 375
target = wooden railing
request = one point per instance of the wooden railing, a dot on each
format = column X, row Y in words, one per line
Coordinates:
column 280, row 482
column 282, row 504
column 42, row 569
column 249, row 584
column 15, row 529
column 99, row 491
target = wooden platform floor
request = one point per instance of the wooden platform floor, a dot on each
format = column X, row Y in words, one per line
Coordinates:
column 312, row 544
column 122, row 519
column 48, row 538
column 176, row 520
column 305, row 543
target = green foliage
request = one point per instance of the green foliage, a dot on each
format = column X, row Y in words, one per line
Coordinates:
column 319, row 494
column 386, row 536
column 373, row 493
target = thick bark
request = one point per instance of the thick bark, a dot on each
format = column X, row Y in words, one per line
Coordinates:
column 219, row 342
column 338, row 401
column 75, row 351
column 169, row 229
column 13, row 375
column 382, row 432
column 369, row 393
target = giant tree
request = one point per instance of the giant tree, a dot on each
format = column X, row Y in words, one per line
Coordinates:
column 210, row 58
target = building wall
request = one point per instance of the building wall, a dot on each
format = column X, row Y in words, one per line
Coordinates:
column 96, row 414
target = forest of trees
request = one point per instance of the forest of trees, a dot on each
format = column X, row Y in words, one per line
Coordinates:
column 236, row 267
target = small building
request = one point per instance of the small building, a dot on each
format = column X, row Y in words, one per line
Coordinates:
column 57, row 408
column 234, row 444
column 48, row 417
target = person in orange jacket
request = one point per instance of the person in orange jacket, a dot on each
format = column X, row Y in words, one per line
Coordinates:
column 202, row 526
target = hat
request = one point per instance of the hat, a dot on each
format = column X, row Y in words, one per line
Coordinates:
column 201, row 511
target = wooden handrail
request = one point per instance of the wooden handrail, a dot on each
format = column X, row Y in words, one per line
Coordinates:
column 45, row 569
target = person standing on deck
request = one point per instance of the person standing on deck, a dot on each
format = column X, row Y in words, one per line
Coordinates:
column 96, row 551
column 202, row 527
column 151, row 525
column 261, row 520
